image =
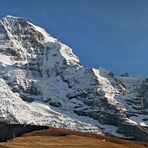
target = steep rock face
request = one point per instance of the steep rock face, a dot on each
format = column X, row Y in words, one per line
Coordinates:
column 136, row 107
column 39, row 68
column 144, row 93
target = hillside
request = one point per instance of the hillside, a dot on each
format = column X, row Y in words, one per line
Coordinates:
column 59, row 138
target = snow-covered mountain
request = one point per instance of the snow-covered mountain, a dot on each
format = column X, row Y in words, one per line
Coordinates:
column 42, row 82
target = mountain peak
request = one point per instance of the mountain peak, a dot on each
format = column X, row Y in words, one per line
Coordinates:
column 12, row 17
column 47, row 81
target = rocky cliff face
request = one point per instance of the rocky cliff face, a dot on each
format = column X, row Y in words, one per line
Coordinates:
column 42, row 82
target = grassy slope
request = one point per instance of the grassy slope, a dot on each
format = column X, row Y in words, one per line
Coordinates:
column 62, row 138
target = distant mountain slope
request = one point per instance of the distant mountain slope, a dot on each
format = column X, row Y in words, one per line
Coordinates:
column 42, row 82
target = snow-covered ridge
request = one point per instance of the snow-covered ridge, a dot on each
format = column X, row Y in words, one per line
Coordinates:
column 41, row 77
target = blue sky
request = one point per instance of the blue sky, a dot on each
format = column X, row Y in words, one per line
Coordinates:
column 103, row 33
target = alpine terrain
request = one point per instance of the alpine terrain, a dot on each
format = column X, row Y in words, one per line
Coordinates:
column 43, row 83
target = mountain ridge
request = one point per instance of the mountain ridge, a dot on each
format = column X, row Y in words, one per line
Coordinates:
column 43, row 76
